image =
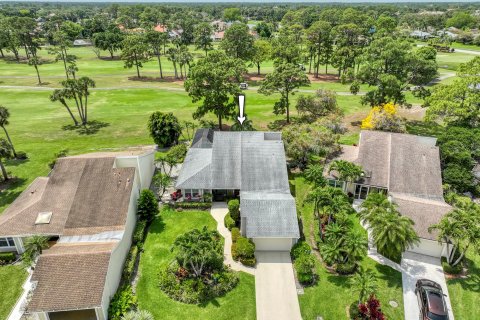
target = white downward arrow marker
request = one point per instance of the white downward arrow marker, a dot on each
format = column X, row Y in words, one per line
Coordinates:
column 241, row 104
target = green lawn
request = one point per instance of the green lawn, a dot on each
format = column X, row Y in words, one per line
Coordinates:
column 332, row 295
column 465, row 292
column 12, row 279
column 237, row 304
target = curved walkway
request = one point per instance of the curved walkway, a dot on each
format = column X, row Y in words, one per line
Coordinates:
column 219, row 211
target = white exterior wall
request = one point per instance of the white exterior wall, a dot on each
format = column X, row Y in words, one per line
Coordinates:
column 119, row 254
column 273, row 244
column 144, row 164
column 430, row 248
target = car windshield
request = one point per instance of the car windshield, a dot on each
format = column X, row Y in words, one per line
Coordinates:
column 434, row 316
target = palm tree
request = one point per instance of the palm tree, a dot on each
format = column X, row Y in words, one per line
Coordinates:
column 172, row 55
column 4, row 115
column 459, row 227
column 347, row 171
column 356, row 245
column 5, row 153
column 138, row 315
column 375, row 204
column 331, row 252
column 34, row 245
column 392, row 233
column 365, row 283
column 61, row 95
column 314, row 174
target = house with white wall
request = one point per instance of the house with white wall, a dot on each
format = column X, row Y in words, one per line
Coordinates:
column 250, row 165
column 87, row 208
column 407, row 168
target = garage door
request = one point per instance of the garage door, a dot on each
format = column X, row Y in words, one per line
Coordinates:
column 273, row 244
column 73, row 315
column 429, row 248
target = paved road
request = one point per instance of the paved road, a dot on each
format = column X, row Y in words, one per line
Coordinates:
column 417, row 266
column 219, row 211
column 275, row 290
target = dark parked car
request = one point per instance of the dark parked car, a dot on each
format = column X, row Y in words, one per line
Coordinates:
column 430, row 299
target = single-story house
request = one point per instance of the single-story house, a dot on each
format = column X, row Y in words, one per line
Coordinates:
column 418, row 34
column 160, row 28
column 87, row 208
column 218, row 35
column 407, row 168
column 253, row 166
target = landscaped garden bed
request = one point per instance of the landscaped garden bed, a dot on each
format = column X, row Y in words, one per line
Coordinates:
column 239, row 303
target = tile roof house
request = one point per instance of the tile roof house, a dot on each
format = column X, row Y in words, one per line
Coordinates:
column 407, row 167
column 87, row 206
column 253, row 165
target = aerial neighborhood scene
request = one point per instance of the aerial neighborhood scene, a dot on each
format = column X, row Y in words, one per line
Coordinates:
column 270, row 160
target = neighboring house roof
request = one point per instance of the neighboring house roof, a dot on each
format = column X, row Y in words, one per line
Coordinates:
column 253, row 162
column 409, row 167
column 82, row 42
column 70, row 277
column 424, row 212
column 84, row 195
column 160, row 28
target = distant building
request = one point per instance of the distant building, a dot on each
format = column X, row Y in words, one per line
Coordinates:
column 82, row 43
column 421, row 35
column 218, row 36
column 160, row 28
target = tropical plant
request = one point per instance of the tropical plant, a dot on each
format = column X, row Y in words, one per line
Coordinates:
column 147, row 205
column 347, row 171
column 122, row 302
column 314, row 174
column 161, row 181
column 34, row 246
column 365, row 283
column 164, row 128
column 329, row 199
column 5, row 153
column 460, row 230
column 4, row 115
column 198, row 250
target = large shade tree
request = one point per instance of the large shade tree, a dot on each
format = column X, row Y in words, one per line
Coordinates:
column 164, row 128
column 238, row 42
column 285, row 79
column 214, row 80
column 135, row 52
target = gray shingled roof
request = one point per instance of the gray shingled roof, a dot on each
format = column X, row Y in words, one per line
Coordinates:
column 203, row 138
column 253, row 162
column 269, row 214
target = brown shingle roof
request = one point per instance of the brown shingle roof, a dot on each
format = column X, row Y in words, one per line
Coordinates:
column 81, row 193
column 423, row 212
column 70, row 277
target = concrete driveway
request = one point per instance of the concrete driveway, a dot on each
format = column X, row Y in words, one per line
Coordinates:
column 417, row 266
column 276, row 294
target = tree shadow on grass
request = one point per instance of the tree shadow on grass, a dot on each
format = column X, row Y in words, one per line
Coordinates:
column 90, row 128
column 214, row 302
column 472, row 280
column 7, row 195
column 340, row 280
column 423, row 128
column 157, row 225
column 16, row 162
column 391, row 276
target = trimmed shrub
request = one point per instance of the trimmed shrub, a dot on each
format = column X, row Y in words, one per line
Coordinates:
column 22, row 155
column 7, row 257
column 122, row 302
column 346, row 268
column 304, row 266
column 130, row 264
column 229, row 222
column 147, row 205
column 139, row 233
column 234, row 209
column 299, row 249
column 243, row 250
column 193, row 205
column 447, row 268
column 235, row 234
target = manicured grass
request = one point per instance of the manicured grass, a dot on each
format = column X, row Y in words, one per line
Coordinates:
column 332, row 295
column 465, row 292
column 237, row 304
column 12, row 279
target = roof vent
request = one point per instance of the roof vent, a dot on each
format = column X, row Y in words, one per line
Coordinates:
column 43, row 217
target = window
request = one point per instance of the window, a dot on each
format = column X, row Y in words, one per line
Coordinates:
column 7, row 242
column 335, row 183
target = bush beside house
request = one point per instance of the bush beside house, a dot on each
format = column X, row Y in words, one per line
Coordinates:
column 6, row 258
column 243, row 250
column 304, row 263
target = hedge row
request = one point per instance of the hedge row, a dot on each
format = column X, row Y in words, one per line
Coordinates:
column 7, row 257
column 193, row 205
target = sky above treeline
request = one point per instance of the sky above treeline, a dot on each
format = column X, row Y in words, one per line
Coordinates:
column 250, row 1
